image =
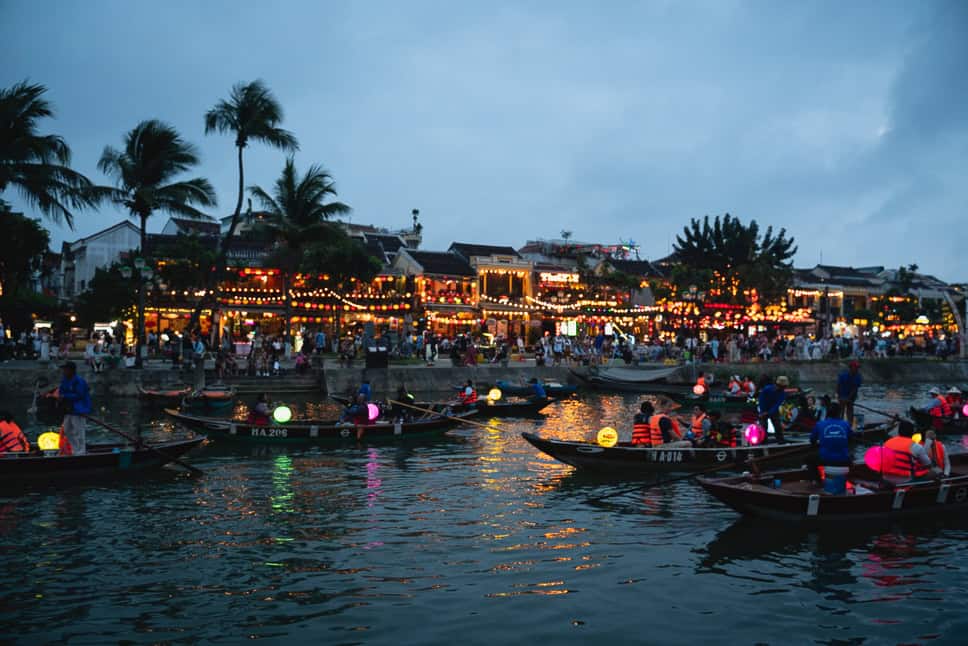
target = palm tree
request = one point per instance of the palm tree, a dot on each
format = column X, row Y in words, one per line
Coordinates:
column 154, row 155
column 298, row 215
column 252, row 113
column 38, row 165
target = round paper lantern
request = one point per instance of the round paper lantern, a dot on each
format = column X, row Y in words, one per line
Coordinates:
column 608, row 437
column 372, row 412
column 877, row 457
column 282, row 414
column 916, row 437
column 754, row 434
column 964, row 411
column 494, row 394
column 49, row 441
column 699, row 390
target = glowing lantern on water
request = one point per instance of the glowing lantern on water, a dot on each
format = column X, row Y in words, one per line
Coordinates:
column 49, row 441
column 372, row 412
column 608, row 437
column 877, row 457
column 754, row 434
column 916, row 437
column 494, row 394
column 699, row 390
column 282, row 414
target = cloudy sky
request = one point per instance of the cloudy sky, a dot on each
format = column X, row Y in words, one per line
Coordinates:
column 845, row 122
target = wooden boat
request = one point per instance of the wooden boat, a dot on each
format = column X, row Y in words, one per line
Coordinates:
column 214, row 396
column 317, row 431
column 522, row 408
column 100, row 461
column 727, row 403
column 798, row 500
column 552, row 389
column 951, row 425
column 631, row 460
column 164, row 394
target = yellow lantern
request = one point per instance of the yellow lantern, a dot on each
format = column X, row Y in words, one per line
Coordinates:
column 494, row 394
column 49, row 441
column 608, row 437
column 916, row 437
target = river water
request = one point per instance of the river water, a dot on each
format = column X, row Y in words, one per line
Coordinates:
column 474, row 538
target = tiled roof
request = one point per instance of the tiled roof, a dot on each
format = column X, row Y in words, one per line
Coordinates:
column 199, row 227
column 442, row 262
column 468, row 250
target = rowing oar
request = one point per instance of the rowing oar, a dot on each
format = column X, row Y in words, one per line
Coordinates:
column 463, row 420
column 877, row 412
column 138, row 442
column 718, row 467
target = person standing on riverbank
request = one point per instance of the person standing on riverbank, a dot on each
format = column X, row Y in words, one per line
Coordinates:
column 848, row 385
column 76, row 397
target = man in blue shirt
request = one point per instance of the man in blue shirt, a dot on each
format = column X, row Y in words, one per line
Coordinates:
column 831, row 436
column 539, row 391
column 76, row 397
column 768, row 405
column 848, row 385
column 365, row 391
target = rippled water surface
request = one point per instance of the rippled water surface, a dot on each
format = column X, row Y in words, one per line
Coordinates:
column 474, row 538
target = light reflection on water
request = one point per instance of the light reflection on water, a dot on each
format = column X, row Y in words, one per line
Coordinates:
column 474, row 537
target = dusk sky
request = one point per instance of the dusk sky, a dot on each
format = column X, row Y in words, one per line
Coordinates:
column 845, row 122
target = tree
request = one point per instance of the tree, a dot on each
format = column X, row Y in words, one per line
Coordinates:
column 23, row 257
column 251, row 113
column 298, row 212
column 38, row 165
column 733, row 262
column 144, row 172
column 108, row 296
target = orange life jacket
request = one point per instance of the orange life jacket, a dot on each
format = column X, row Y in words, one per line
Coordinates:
column 749, row 387
column 937, row 454
column 12, row 439
column 63, row 444
column 700, row 387
column 468, row 399
column 697, row 421
column 944, row 410
column 656, row 432
column 903, row 464
column 641, row 431
column 734, row 386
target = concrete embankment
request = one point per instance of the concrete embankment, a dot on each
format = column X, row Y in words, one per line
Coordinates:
column 18, row 379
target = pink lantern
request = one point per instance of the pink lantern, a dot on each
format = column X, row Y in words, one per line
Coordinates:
column 755, row 434
column 699, row 390
column 372, row 412
column 964, row 411
column 878, row 457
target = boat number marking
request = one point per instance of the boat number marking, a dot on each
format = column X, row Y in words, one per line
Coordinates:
column 667, row 456
column 720, row 456
column 961, row 494
column 344, row 432
column 590, row 449
column 269, row 432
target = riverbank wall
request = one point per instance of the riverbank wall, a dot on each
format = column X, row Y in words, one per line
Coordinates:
column 18, row 379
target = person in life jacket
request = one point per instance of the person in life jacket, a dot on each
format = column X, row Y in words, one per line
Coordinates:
column 468, row 395
column 735, row 386
column 259, row 414
column 749, row 386
column 664, row 430
column 700, row 425
column 12, row 439
column 907, row 459
column 701, row 389
column 938, row 408
column 721, row 433
column 954, row 399
column 937, row 453
column 641, row 431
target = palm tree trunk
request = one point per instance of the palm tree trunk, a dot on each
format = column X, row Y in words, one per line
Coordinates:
column 218, row 270
column 140, row 329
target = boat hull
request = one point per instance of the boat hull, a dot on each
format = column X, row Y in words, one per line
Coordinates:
column 644, row 461
column 521, row 390
column 100, row 462
column 316, row 432
column 797, row 501
column 947, row 425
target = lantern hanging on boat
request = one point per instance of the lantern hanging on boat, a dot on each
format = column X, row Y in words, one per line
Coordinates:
column 49, row 441
column 494, row 394
column 607, row 437
column 916, row 437
column 372, row 412
column 877, row 457
column 698, row 390
column 964, row 411
column 754, row 434
column 282, row 414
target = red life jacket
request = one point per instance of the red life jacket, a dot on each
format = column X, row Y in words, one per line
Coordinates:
column 641, row 431
column 12, row 439
column 937, row 454
column 697, row 421
column 944, row 410
column 656, row 432
column 903, row 464
column 468, row 399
